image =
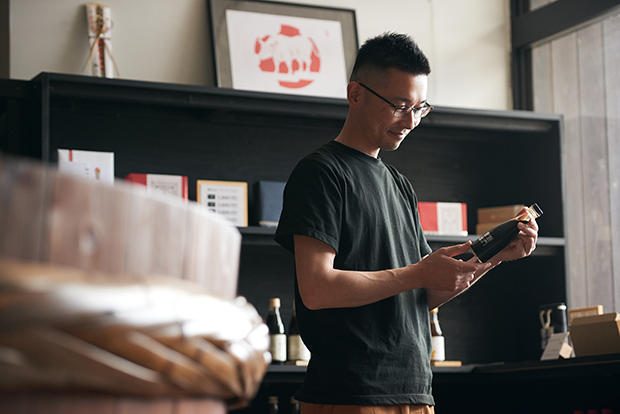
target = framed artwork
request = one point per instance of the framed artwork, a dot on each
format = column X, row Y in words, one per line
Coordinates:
column 229, row 199
column 283, row 48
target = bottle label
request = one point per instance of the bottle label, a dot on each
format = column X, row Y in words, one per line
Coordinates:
column 297, row 350
column 439, row 351
column 277, row 347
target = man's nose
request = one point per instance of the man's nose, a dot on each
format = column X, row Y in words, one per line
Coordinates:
column 410, row 121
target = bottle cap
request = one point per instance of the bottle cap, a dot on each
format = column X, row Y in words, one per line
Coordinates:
column 533, row 211
column 273, row 399
column 274, row 302
column 436, row 310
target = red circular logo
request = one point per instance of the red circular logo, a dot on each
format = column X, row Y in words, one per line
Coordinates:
column 289, row 55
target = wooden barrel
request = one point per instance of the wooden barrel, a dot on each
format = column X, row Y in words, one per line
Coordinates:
column 48, row 217
column 56, row 220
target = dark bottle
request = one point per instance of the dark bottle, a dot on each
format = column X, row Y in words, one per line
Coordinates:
column 295, row 409
column 297, row 350
column 277, row 334
column 273, row 405
column 439, row 351
column 494, row 240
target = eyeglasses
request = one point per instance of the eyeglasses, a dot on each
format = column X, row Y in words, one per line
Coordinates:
column 403, row 110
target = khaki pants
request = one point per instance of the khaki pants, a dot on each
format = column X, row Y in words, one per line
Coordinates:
column 307, row 408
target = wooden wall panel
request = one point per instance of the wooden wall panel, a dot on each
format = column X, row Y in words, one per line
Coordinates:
column 611, row 42
column 566, row 102
column 577, row 75
column 596, row 214
column 541, row 78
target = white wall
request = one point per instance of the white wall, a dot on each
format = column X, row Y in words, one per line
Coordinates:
column 467, row 42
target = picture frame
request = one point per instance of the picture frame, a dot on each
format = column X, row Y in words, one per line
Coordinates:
column 285, row 48
column 229, row 199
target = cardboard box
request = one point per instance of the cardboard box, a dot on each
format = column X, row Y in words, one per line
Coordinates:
column 498, row 214
column 587, row 311
column 596, row 335
column 449, row 219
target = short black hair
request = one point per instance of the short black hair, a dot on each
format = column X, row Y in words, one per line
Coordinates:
column 390, row 50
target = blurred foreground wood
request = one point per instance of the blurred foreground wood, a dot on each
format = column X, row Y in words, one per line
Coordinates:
column 48, row 217
column 80, row 403
column 89, row 302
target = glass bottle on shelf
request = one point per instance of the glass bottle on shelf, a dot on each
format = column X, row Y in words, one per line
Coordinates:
column 277, row 334
column 438, row 342
column 297, row 350
column 273, row 405
column 494, row 240
column 295, row 409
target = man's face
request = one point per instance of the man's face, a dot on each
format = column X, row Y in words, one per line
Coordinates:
column 385, row 130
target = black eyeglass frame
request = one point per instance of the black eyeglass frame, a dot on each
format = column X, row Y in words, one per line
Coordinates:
column 402, row 111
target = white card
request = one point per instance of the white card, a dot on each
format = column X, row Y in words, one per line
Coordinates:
column 557, row 347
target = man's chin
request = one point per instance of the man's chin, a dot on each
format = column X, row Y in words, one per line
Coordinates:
column 393, row 145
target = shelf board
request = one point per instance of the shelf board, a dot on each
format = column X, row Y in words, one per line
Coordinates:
column 431, row 238
column 224, row 99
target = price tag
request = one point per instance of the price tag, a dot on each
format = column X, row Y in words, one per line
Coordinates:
column 557, row 347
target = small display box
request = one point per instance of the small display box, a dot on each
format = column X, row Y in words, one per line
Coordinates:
column 596, row 335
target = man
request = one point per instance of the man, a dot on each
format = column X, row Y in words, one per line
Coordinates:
column 365, row 276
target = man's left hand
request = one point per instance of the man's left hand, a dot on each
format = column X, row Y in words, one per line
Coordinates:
column 523, row 245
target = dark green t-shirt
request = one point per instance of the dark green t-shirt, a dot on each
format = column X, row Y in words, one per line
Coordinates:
column 367, row 211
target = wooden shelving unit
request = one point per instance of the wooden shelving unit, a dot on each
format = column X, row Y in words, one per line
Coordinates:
column 482, row 158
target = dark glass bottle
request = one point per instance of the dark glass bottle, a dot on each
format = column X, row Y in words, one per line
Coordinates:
column 295, row 409
column 277, row 334
column 437, row 339
column 297, row 350
column 494, row 240
column 273, row 405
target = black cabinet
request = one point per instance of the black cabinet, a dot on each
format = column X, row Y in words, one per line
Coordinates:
column 482, row 158
column 533, row 387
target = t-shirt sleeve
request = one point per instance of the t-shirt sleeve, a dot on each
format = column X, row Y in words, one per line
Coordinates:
column 312, row 205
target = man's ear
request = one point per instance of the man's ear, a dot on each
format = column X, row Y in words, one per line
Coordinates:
column 354, row 94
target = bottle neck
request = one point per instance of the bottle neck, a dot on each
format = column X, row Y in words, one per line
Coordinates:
column 532, row 212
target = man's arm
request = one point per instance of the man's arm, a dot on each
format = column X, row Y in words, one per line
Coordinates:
column 321, row 286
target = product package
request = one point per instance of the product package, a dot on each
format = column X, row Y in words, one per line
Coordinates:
column 172, row 185
column 90, row 165
column 449, row 219
column 100, row 59
column 268, row 197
